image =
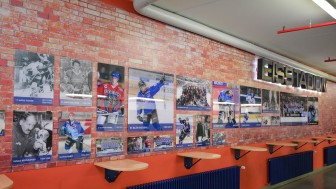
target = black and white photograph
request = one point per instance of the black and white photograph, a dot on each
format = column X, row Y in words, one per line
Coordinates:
column 2, row 122
column 74, row 131
column 33, row 78
column 202, row 130
column 266, row 120
column 293, row 109
column 163, row 143
column 110, row 97
column 150, row 101
column 312, row 110
column 270, row 101
column 184, row 131
column 75, row 82
column 109, row 146
column 192, row 93
column 225, row 108
column 139, row 144
column 32, row 137
column 275, row 120
column 218, row 138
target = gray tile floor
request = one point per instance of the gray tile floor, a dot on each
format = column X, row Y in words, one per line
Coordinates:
column 324, row 180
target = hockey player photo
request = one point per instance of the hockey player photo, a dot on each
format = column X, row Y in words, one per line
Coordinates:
column 184, row 131
column 266, row 120
column 312, row 111
column 75, row 82
column 275, row 120
column 225, row 105
column 203, row 130
column 270, row 101
column 192, row 94
column 110, row 97
column 293, row 109
column 2, row 122
column 75, row 135
column 150, row 101
column 138, row 144
column 163, row 143
column 32, row 137
column 250, row 116
column 250, row 95
column 33, row 78
column 218, row 138
column 109, row 146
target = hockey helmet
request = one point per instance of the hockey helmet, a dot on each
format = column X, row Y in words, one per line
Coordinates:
column 115, row 74
column 141, row 83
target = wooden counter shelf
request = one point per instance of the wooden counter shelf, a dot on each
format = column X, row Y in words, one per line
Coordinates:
column 237, row 150
column 189, row 156
column 5, row 182
column 304, row 142
column 114, row 168
column 323, row 139
column 281, row 144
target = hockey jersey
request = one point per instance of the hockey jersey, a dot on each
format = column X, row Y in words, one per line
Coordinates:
column 144, row 105
column 114, row 97
column 73, row 129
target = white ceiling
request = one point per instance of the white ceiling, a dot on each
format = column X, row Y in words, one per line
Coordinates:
column 257, row 21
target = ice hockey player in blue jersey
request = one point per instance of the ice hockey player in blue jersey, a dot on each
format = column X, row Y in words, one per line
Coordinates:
column 185, row 130
column 75, row 134
column 226, row 110
column 146, row 109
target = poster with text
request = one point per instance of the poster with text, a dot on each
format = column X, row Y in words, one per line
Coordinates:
column 138, row 144
column 270, row 101
column 225, row 108
column 75, row 82
column 33, row 78
column 150, row 101
column 32, row 137
column 250, row 107
column 202, row 130
column 74, row 135
column 2, row 122
column 293, row 109
column 184, row 131
column 109, row 146
column 192, row 94
column 110, row 97
column 312, row 111
column 218, row 138
column 163, row 143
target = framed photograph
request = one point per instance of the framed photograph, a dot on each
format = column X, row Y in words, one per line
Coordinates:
column 163, row 143
column 250, row 107
column 275, row 120
column 218, row 138
column 109, row 146
column 266, row 120
column 192, row 94
column 110, row 97
column 75, row 82
column 32, row 137
column 33, row 78
column 312, row 110
column 225, row 108
column 138, row 144
column 74, row 135
column 150, row 101
column 184, row 131
column 2, row 122
column 270, row 101
column 293, row 109
column 203, row 130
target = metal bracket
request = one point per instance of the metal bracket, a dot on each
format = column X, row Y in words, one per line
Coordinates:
column 111, row 175
column 315, row 144
column 297, row 147
column 237, row 154
column 271, row 149
column 188, row 162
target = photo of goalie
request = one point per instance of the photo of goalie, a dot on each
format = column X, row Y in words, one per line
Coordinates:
column 184, row 131
column 74, row 135
column 110, row 97
column 33, row 78
column 150, row 101
column 75, row 82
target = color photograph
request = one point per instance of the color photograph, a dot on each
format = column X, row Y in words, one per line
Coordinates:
column 184, row 131
column 250, row 95
column 218, row 138
column 250, row 116
column 150, row 101
column 192, row 94
column 32, row 137
column 270, row 101
column 74, row 135
column 225, row 108
column 110, row 97
column 312, row 111
column 163, row 143
column 75, row 82
column 138, row 144
column 109, row 146
column 293, row 109
column 202, row 130
column 33, row 78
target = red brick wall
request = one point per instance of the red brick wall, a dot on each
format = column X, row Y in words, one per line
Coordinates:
column 95, row 31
